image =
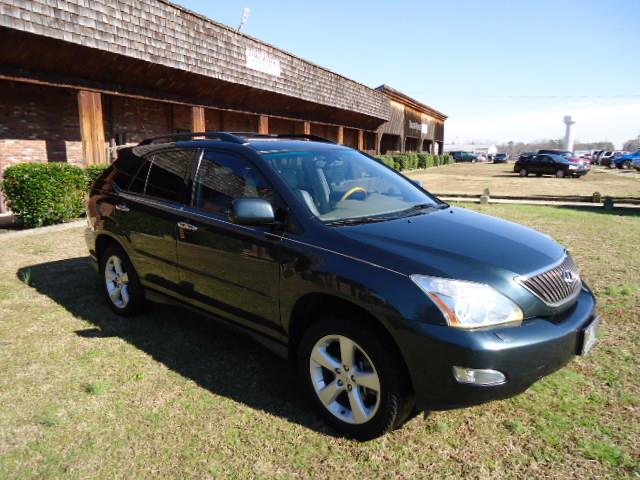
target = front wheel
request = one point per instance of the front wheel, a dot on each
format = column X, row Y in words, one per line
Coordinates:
column 121, row 285
column 356, row 381
column 560, row 173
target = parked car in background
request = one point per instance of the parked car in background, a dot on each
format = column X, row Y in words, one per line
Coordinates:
column 461, row 156
column 596, row 156
column 568, row 154
column 625, row 161
column 548, row 164
column 501, row 158
column 343, row 267
column 606, row 159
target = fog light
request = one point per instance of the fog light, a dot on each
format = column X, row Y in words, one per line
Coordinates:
column 478, row 376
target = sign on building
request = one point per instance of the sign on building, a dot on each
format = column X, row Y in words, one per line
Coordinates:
column 262, row 62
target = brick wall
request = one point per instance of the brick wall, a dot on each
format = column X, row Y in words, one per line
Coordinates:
column 138, row 119
column 38, row 124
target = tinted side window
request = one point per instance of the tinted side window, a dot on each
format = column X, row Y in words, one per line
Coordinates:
column 223, row 177
column 140, row 179
column 125, row 168
column 167, row 175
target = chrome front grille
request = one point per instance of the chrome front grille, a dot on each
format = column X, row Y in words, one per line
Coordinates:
column 556, row 285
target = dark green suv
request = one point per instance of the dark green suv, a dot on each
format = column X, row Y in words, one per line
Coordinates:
column 387, row 300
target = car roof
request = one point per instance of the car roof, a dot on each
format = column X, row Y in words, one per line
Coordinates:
column 261, row 143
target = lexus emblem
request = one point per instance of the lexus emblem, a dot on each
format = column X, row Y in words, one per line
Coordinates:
column 568, row 276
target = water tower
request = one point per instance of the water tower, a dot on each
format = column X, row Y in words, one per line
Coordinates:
column 568, row 133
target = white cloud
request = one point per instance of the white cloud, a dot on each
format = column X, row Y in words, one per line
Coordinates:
column 614, row 121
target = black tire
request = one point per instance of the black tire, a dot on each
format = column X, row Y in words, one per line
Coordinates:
column 626, row 165
column 538, row 174
column 523, row 172
column 135, row 292
column 560, row 173
column 396, row 400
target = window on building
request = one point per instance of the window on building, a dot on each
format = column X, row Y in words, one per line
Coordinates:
column 223, row 177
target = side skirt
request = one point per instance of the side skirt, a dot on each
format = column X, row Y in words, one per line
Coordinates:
column 278, row 348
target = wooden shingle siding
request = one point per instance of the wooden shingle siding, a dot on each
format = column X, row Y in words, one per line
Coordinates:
column 161, row 32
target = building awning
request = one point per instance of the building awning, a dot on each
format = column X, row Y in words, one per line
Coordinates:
column 153, row 46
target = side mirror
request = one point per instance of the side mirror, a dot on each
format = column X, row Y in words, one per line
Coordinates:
column 417, row 182
column 251, row 211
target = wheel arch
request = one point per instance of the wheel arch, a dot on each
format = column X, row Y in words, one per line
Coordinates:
column 311, row 307
column 105, row 240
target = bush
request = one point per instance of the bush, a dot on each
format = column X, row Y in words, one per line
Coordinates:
column 423, row 160
column 46, row 193
column 92, row 173
column 387, row 160
column 412, row 161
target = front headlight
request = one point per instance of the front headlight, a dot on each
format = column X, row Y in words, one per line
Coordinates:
column 469, row 304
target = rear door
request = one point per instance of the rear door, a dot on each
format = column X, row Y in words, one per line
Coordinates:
column 546, row 165
column 149, row 212
column 228, row 269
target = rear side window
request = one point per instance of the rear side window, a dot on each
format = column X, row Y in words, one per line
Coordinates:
column 223, row 177
column 140, row 179
column 167, row 175
column 125, row 168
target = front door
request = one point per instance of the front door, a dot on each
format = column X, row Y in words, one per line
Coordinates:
column 231, row 270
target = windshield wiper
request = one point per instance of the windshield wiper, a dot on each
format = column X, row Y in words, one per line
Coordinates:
column 416, row 209
column 357, row 220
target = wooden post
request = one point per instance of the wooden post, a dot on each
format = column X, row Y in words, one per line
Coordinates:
column 91, row 127
column 360, row 140
column 197, row 119
column 340, row 135
column 307, row 128
column 263, row 124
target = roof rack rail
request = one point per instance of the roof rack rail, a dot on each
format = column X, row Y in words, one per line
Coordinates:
column 301, row 136
column 223, row 136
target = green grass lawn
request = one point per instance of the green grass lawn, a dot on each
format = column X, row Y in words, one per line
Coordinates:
column 85, row 394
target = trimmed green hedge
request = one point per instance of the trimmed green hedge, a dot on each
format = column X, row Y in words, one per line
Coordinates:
column 413, row 161
column 47, row 193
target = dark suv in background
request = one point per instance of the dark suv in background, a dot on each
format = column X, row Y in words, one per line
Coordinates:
column 543, row 164
column 362, row 279
column 459, row 156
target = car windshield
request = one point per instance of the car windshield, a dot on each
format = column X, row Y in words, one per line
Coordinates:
column 338, row 184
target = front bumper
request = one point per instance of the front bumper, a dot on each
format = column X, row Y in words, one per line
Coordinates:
column 523, row 353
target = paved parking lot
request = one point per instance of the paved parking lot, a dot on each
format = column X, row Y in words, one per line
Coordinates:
column 468, row 178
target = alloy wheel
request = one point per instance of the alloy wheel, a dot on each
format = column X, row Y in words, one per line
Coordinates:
column 345, row 379
column 117, row 281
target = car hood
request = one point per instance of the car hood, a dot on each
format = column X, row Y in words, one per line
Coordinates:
column 436, row 239
column 457, row 243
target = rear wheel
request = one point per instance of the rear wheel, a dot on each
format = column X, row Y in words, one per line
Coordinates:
column 121, row 285
column 356, row 381
column 523, row 172
column 559, row 173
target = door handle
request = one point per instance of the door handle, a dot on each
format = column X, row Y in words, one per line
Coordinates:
column 187, row 226
column 122, row 207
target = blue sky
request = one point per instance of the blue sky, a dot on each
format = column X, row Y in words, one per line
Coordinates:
column 501, row 70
